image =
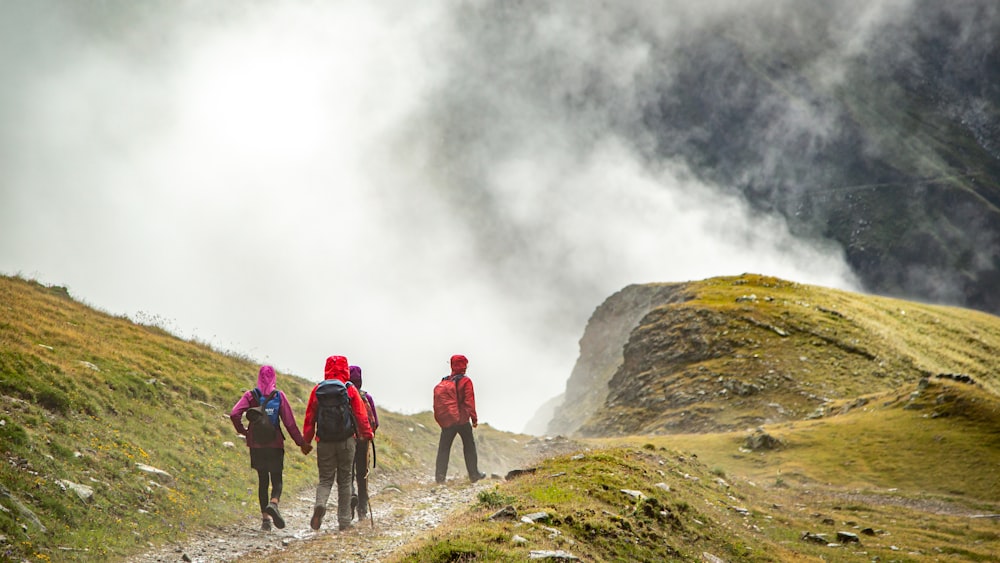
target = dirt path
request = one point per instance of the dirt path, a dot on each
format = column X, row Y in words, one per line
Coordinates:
column 401, row 511
column 403, row 505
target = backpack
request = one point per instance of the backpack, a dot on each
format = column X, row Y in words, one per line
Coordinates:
column 446, row 411
column 334, row 415
column 264, row 417
column 368, row 409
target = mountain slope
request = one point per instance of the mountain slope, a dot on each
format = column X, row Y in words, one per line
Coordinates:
column 907, row 475
column 755, row 419
column 735, row 352
column 116, row 436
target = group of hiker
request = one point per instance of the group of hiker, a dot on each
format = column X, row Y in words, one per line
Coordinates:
column 341, row 418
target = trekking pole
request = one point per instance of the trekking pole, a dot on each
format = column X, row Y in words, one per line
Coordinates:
column 371, row 513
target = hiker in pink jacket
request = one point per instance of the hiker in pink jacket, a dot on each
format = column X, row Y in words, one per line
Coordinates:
column 268, row 458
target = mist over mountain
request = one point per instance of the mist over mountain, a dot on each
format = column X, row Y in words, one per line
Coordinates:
column 399, row 182
column 870, row 124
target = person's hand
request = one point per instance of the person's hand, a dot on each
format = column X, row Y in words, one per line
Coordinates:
column 475, row 425
column 306, row 448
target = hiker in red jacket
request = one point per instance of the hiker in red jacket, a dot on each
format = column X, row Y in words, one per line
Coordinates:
column 455, row 413
column 335, row 437
column 268, row 458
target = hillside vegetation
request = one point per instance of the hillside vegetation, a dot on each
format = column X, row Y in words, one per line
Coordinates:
column 115, row 436
column 736, row 352
column 754, row 419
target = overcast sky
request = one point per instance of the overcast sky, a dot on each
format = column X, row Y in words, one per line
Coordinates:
column 395, row 182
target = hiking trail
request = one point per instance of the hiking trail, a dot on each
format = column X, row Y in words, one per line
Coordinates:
column 402, row 510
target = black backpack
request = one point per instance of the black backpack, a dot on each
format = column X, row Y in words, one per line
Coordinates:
column 264, row 417
column 334, row 415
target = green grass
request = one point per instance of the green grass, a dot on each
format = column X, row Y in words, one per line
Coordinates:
column 85, row 397
column 735, row 347
column 591, row 515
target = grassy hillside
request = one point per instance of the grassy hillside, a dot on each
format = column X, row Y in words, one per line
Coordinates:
column 88, row 400
column 912, row 475
column 746, row 350
column 763, row 420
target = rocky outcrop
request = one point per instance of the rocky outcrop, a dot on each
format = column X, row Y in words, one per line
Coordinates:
column 601, row 351
column 734, row 353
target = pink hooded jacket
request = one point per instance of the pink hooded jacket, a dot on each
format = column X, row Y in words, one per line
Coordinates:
column 266, row 384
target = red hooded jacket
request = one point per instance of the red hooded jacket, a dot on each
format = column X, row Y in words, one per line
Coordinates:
column 466, row 392
column 337, row 368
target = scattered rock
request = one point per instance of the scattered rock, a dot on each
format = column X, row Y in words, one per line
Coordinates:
column 154, row 471
column 848, row 537
column 663, row 486
column 518, row 539
column 89, row 366
column 761, row 440
column 514, row 473
column 709, row 558
column 506, row 513
column 547, row 554
column 815, row 538
column 84, row 492
column 24, row 511
column 959, row 377
column 634, row 494
column 535, row 517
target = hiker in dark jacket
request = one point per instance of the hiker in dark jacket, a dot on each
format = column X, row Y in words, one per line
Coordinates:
column 467, row 420
column 268, row 458
column 335, row 459
column 359, row 501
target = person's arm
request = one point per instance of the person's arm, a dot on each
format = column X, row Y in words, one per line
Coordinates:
column 360, row 414
column 469, row 399
column 309, row 422
column 236, row 415
column 288, row 419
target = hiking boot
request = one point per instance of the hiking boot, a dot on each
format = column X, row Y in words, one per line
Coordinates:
column 354, row 505
column 344, row 526
column 272, row 509
column 265, row 524
column 478, row 477
column 362, row 516
column 317, row 518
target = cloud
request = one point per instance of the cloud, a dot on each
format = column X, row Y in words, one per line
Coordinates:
column 394, row 183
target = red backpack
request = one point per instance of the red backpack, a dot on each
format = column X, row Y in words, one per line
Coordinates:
column 446, row 401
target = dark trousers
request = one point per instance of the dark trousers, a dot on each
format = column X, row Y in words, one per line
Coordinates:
column 263, row 476
column 468, row 449
column 361, row 475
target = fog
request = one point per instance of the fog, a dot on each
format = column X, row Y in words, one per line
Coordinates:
column 395, row 182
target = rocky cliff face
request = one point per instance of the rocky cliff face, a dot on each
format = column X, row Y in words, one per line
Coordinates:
column 601, row 350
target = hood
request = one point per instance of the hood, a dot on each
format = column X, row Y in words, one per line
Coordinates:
column 458, row 364
column 356, row 376
column 336, row 368
column 265, row 380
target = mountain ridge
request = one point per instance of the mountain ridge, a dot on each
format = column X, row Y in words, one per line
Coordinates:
column 733, row 352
